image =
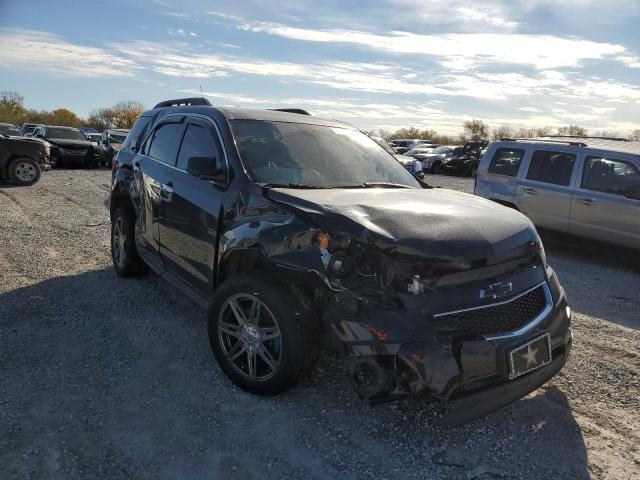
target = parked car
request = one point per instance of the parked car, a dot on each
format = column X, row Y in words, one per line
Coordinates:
column 27, row 128
column 110, row 143
column 431, row 158
column 86, row 130
column 69, row 146
column 93, row 138
column 587, row 187
column 405, row 144
column 295, row 230
column 414, row 166
column 21, row 159
column 465, row 160
column 10, row 130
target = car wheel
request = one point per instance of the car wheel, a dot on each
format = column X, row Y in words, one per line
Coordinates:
column 264, row 340
column 436, row 168
column 24, row 171
column 124, row 255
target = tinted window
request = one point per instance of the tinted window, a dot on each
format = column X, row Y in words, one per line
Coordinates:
column 137, row 133
column 608, row 175
column 198, row 142
column 165, row 142
column 551, row 167
column 506, row 161
column 314, row 155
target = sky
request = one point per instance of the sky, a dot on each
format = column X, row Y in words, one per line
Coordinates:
column 377, row 65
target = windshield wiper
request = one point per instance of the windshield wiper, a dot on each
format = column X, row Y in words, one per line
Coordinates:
column 384, row 185
column 292, row 185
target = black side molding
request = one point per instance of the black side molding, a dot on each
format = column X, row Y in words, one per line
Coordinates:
column 184, row 101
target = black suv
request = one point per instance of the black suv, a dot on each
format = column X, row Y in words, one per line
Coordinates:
column 69, row 146
column 22, row 159
column 296, row 232
column 465, row 161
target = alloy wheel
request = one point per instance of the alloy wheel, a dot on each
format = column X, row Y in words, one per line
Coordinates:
column 118, row 241
column 250, row 337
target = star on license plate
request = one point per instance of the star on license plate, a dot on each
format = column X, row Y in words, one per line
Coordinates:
column 532, row 355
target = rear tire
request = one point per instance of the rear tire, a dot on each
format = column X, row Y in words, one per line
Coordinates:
column 24, row 171
column 126, row 261
column 264, row 353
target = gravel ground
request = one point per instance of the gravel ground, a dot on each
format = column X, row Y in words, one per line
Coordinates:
column 109, row 378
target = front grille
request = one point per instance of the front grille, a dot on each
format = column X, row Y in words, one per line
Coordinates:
column 496, row 319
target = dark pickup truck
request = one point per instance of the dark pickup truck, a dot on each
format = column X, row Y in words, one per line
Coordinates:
column 22, row 160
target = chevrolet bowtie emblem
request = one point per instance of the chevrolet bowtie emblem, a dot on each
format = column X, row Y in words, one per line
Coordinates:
column 530, row 356
column 496, row 290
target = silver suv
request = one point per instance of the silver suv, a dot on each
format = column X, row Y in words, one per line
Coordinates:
column 584, row 186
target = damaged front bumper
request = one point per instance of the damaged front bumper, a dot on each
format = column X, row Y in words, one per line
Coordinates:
column 393, row 353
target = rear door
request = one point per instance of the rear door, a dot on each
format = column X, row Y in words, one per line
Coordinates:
column 152, row 170
column 190, row 211
column 600, row 209
column 544, row 194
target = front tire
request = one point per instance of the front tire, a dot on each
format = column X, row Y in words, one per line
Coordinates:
column 24, row 171
column 263, row 338
column 126, row 261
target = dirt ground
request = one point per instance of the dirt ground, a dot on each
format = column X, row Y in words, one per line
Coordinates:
column 102, row 377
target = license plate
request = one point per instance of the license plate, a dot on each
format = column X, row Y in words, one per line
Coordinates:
column 532, row 355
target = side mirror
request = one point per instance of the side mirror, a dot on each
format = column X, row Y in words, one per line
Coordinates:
column 633, row 192
column 207, row 168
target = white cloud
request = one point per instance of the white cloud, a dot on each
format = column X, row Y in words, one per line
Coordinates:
column 47, row 52
column 540, row 51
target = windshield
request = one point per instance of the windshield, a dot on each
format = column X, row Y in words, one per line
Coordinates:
column 11, row 131
column 65, row 134
column 441, row 150
column 284, row 153
column 117, row 138
column 383, row 143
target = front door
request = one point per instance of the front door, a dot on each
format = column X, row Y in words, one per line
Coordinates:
column 190, row 211
column 600, row 209
column 544, row 195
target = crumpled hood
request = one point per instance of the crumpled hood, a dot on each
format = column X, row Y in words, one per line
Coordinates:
column 430, row 223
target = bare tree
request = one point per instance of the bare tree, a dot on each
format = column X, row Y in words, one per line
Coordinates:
column 475, row 130
column 635, row 135
column 572, row 130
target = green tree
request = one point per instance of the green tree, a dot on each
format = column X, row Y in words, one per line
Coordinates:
column 12, row 107
column 475, row 130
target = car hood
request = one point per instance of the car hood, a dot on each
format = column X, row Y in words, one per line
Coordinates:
column 67, row 143
column 430, row 223
column 404, row 159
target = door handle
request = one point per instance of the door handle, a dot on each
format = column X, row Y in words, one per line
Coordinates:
column 529, row 190
column 167, row 188
column 587, row 201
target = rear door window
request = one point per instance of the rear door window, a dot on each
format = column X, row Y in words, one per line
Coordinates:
column 551, row 167
column 608, row 175
column 506, row 161
column 165, row 142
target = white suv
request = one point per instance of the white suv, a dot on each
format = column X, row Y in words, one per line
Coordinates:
column 584, row 186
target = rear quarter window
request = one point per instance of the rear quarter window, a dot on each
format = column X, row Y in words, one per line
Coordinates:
column 506, row 161
column 137, row 133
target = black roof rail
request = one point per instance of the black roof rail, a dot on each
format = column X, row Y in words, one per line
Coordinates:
column 299, row 111
column 184, row 101
column 615, row 139
column 567, row 142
